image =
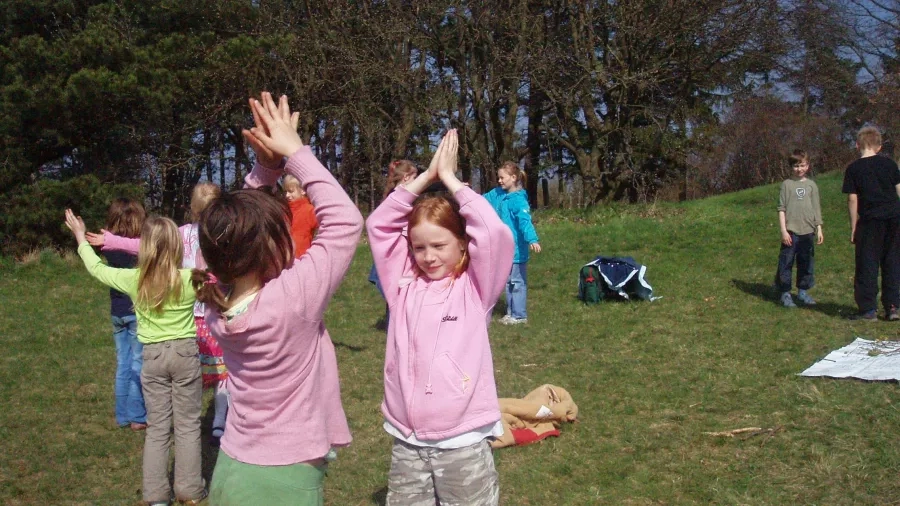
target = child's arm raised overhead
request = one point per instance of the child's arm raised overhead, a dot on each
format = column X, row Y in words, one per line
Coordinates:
column 269, row 165
column 491, row 243
column 320, row 271
column 390, row 247
column 123, row 280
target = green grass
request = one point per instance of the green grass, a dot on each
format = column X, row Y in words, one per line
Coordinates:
column 715, row 353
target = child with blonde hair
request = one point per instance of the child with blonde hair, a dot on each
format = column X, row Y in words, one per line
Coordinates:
column 441, row 279
column 872, row 185
column 266, row 309
column 170, row 377
column 303, row 216
column 510, row 202
column 211, row 362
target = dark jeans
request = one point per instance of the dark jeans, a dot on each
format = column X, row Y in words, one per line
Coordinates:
column 877, row 246
column 802, row 249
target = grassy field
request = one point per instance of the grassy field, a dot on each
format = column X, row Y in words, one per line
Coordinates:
column 714, row 354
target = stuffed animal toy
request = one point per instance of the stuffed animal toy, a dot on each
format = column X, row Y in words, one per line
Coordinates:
column 536, row 416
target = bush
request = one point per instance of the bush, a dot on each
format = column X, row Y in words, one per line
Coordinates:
column 31, row 216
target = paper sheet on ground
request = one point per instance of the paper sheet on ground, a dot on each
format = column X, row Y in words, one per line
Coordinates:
column 863, row 359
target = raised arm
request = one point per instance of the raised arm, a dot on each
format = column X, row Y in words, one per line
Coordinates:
column 269, row 164
column 389, row 244
column 123, row 280
column 113, row 242
column 319, row 272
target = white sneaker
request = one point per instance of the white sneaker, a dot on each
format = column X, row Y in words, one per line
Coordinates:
column 513, row 321
column 505, row 319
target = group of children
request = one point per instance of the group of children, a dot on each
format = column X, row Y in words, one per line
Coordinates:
column 240, row 289
column 872, row 185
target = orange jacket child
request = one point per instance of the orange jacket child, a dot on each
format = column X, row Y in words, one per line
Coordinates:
column 303, row 225
column 536, row 416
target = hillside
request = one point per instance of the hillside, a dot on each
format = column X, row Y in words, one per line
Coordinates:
column 715, row 353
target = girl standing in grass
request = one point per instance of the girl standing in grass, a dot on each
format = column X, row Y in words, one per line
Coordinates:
column 267, row 315
column 510, row 202
column 212, row 365
column 440, row 282
column 164, row 304
column 126, row 217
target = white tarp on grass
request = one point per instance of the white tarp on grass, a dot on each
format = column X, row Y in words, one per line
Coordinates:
column 862, row 359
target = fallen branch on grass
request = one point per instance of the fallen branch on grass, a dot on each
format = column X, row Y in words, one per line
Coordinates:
column 747, row 432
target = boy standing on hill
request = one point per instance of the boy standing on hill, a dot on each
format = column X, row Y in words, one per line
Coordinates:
column 800, row 217
column 873, row 184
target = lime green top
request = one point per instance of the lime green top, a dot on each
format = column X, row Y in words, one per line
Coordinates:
column 176, row 321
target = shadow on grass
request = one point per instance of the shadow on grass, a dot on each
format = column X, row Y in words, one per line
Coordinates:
column 767, row 293
column 338, row 344
column 380, row 496
column 208, row 452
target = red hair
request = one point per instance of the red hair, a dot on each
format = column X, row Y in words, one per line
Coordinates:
column 443, row 212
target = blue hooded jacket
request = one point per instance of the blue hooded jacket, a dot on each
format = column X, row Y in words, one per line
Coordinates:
column 513, row 209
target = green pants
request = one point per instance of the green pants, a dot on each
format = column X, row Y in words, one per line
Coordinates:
column 236, row 483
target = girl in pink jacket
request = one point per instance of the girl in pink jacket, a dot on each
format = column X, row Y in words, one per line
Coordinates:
column 266, row 311
column 440, row 283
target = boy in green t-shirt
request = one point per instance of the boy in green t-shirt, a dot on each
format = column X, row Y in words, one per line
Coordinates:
column 800, row 218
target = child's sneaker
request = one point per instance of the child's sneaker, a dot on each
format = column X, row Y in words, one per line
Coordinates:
column 787, row 300
column 513, row 321
column 868, row 315
column 805, row 298
column 892, row 314
column 505, row 319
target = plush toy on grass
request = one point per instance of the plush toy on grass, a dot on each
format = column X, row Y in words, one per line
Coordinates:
column 536, row 416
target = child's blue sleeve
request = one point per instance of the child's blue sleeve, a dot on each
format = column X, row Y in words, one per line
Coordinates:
column 524, row 223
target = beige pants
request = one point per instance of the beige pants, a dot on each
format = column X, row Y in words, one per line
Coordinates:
column 422, row 476
column 173, row 393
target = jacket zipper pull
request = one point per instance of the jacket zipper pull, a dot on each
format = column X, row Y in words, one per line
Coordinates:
column 428, row 388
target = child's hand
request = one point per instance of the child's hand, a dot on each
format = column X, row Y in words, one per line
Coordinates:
column 276, row 128
column 447, row 158
column 431, row 173
column 536, row 247
column 76, row 225
column 786, row 239
column 423, row 180
column 95, row 239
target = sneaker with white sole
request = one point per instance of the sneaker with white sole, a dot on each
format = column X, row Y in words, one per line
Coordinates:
column 804, row 297
column 787, row 300
column 513, row 321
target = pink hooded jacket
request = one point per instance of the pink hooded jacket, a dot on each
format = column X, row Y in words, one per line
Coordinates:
column 282, row 368
column 438, row 369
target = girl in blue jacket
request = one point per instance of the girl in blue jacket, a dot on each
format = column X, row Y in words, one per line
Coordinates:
column 511, row 203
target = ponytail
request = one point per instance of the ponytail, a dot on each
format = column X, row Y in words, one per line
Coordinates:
column 512, row 168
column 207, row 288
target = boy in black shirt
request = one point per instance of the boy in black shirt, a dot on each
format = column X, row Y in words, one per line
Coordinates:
column 873, row 184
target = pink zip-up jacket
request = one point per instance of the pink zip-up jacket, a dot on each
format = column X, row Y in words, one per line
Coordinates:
column 282, row 368
column 438, row 369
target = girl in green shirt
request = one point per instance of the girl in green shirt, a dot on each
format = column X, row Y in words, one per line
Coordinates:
column 170, row 378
